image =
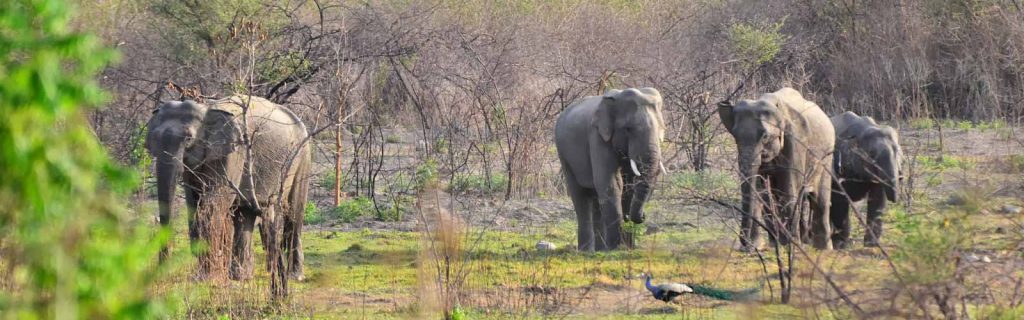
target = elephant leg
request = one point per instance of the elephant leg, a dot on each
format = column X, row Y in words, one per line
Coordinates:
column 192, row 202
column 840, row 218
column 583, row 204
column 272, row 227
column 771, row 221
column 609, row 229
column 293, row 239
column 876, row 206
column 754, row 200
column 242, row 256
column 821, row 224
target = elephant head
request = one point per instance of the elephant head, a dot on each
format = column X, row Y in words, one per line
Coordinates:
column 873, row 154
column 171, row 130
column 759, row 127
column 630, row 120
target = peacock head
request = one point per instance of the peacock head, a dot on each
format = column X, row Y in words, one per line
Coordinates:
column 654, row 290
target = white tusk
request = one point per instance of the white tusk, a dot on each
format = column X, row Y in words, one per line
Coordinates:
column 632, row 164
column 663, row 169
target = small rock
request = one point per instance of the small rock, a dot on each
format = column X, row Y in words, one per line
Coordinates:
column 985, row 259
column 546, row 246
column 972, row 258
column 1000, row 230
column 1010, row 209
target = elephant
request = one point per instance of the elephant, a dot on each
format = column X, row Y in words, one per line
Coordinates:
column 867, row 164
column 609, row 150
column 784, row 145
column 267, row 178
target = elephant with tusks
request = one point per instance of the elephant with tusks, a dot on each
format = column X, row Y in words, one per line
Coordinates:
column 609, row 149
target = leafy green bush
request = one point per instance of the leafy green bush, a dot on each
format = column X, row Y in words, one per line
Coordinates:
column 928, row 245
column 426, row 174
column 66, row 239
column 351, row 209
column 921, row 123
column 756, row 44
column 990, row 125
column 467, row 183
column 312, row 214
column 1017, row 163
column 393, row 138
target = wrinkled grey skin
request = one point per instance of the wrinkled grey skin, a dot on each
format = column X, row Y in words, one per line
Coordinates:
column 203, row 146
column 785, row 143
column 596, row 137
column 867, row 161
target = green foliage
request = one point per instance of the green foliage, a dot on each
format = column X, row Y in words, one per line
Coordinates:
column 458, row 314
column 351, row 209
column 281, row 66
column 991, row 125
column 1017, row 163
column 441, row 145
column 426, row 174
column 1001, row 313
column 140, row 156
column 944, row 162
column 66, row 241
column 710, row 182
column 636, row 230
column 328, row 179
column 201, row 28
column 756, row 45
column 921, row 123
column 926, row 251
column 954, row 124
column 465, row 183
column 311, row 214
column 393, row 138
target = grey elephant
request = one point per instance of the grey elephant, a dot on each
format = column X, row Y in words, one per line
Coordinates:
column 784, row 146
column 204, row 145
column 867, row 165
column 610, row 154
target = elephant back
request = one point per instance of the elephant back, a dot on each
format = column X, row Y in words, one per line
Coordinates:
column 233, row 105
column 809, row 121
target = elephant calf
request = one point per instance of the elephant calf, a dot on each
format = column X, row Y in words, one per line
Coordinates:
column 609, row 149
column 867, row 165
column 785, row 147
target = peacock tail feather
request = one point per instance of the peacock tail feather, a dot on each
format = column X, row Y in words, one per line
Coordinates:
column 727, row 295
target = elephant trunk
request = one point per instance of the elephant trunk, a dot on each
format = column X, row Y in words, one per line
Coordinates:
column 749, row 165
column 168, row 168
column 643, row 188
column 891, row 183
column 888, row 173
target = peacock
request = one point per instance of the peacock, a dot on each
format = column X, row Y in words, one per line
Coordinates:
column 669, row 291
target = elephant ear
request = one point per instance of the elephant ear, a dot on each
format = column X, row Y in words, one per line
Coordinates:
column 725, row 114
column 221, row 134
column 604, row 117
